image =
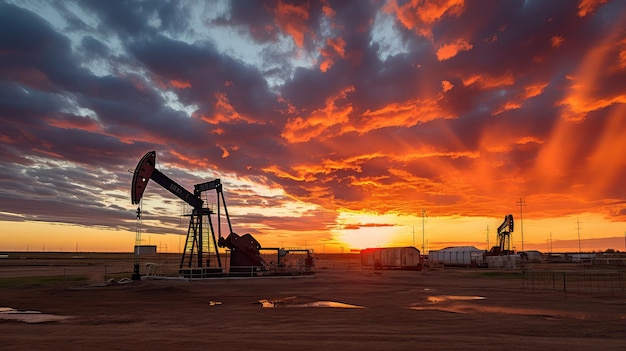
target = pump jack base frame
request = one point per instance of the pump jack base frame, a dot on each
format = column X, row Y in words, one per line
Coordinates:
column 201, row 272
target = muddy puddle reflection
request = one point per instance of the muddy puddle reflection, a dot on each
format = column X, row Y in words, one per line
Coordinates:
column 294, row 301
column 28, row 316
column 472, row 304
column 441, row 298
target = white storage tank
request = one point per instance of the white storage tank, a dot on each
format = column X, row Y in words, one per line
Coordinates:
column 460, row 256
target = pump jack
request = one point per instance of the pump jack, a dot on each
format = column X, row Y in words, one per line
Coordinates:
column 504, row 238
column 245, row 254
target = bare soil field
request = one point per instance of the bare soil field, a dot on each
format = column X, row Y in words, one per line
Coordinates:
column 341, row 307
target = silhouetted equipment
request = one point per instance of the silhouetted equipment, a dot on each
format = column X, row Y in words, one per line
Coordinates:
column 244, row 249
column 504, row 238
column 244, row 253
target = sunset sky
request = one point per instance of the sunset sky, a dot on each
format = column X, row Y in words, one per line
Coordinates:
column 333, row 125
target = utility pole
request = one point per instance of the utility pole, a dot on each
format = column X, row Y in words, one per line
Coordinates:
column 578, row 227
column 487, row 237
column 521, row 203
column 550, row 242
column 423, row 230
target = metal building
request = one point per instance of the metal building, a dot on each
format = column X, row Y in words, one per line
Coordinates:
column 407, row 258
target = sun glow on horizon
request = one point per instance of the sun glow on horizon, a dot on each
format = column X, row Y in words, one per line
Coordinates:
column 363, row 230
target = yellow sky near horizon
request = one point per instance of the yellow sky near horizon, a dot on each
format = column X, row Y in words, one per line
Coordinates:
column 596, row 234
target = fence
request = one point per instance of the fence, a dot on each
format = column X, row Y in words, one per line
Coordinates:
column 576, row 281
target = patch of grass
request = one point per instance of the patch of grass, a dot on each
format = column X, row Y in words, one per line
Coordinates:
column 39, row 281
column 499, row 274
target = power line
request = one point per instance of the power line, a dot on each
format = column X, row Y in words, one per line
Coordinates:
column 578, row 227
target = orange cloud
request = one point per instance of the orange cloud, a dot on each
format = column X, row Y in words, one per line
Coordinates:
column 291, row 20
column 448, row 51
column 488, row 82
column 180, row 84
column 338, row 45
column 49, row 153
column 327, row 10
column 5, row 139
column 555, row 159
column 187, row 160
column 588, row 91
column 421, row 15
column 517, row 101
column 290, row 109
column 224, row 112
column 622, row 54
column 528, row 140
column 446, row 86
column 333, row 47
column 76, row 122
column 586, row 7
column 225, row 152
column 405, row 114
column 557, row 41
column 605, row 166
column 534, row 90
column 274, row 169
column 509, row 105
column 301, row 129
column 574, row 171
column 326, row 64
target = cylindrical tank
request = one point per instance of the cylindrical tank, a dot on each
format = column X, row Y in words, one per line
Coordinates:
column 457, row 256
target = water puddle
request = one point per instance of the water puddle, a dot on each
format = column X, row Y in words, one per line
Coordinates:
column 442, row 298
column 293, row 301
column 447, row 303
column 28, row 316
column 463, row 305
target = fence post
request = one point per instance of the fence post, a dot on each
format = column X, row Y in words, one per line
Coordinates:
column 564, row 284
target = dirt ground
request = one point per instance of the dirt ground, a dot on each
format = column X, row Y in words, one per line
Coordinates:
column 443, row 309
